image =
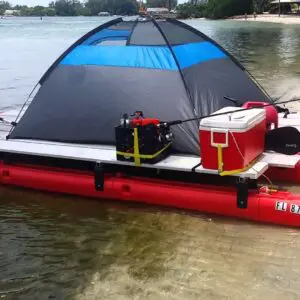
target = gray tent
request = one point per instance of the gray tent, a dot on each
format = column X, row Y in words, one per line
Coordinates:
column 165, row 68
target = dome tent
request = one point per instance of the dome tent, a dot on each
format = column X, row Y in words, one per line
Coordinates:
column 164, row 68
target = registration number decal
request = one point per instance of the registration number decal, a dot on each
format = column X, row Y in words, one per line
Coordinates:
column 295, row 209
column 286, row 207
column 282, row 206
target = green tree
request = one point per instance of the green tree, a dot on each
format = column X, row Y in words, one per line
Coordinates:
column 127, row 7
column 66, row 7
column 161, row 3
column 4, row 5
column 25, row 10
column 188, row 10
column 38, row 11
column 117, row 7
column 18, row 7
column 217, row 9
column 261, row 5
column 95, row 6
column 75, row 8
column 78, row 8
column 83, row 11
column 50, row 12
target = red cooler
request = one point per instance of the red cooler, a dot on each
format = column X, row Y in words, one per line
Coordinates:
column 232, row 141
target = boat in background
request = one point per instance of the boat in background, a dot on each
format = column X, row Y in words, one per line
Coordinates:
column 104, row 14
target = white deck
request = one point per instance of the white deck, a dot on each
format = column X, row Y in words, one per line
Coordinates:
column 280, row 160
column 107, row 154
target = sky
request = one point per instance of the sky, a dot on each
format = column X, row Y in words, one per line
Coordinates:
column 43, row 2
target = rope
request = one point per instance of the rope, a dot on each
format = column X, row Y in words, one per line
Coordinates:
column 251, row 166
column 5, row 122
column 22, row 108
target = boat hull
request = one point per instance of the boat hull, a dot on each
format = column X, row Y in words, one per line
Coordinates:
column 279, row 207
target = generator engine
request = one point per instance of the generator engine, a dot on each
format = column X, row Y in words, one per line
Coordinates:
column 140, row 139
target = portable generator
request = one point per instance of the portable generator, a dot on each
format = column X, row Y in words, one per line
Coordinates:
column 140, row 139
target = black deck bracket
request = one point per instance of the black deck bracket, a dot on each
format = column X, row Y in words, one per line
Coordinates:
column 7, row 158
column 99, row 176
column 242, row 187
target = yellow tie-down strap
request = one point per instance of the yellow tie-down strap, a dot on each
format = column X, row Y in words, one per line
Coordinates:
column 136, row 150
column 231, row 172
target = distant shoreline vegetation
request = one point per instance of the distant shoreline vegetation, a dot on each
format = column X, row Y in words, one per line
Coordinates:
column 72, row 8
column 220, row 9
column 210, row 9
column 83, row 8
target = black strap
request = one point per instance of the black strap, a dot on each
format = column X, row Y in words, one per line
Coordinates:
column 195, row 167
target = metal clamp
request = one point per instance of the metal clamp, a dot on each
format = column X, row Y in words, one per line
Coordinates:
column 99, row 176
column 242, row 186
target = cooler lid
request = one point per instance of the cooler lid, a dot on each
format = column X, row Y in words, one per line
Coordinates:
column 236, row 120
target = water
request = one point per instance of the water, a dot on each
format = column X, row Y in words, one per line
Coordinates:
column 59, row 247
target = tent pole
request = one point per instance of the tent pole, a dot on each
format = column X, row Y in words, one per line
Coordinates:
column 175, row 58
column 83, row 38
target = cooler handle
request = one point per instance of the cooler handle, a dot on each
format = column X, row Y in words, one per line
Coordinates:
column 219, row 130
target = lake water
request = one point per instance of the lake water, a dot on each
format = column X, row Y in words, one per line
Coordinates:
column 59, row 247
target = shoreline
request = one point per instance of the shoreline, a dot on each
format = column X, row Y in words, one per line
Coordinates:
column 264, row 18
column 268, row 18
